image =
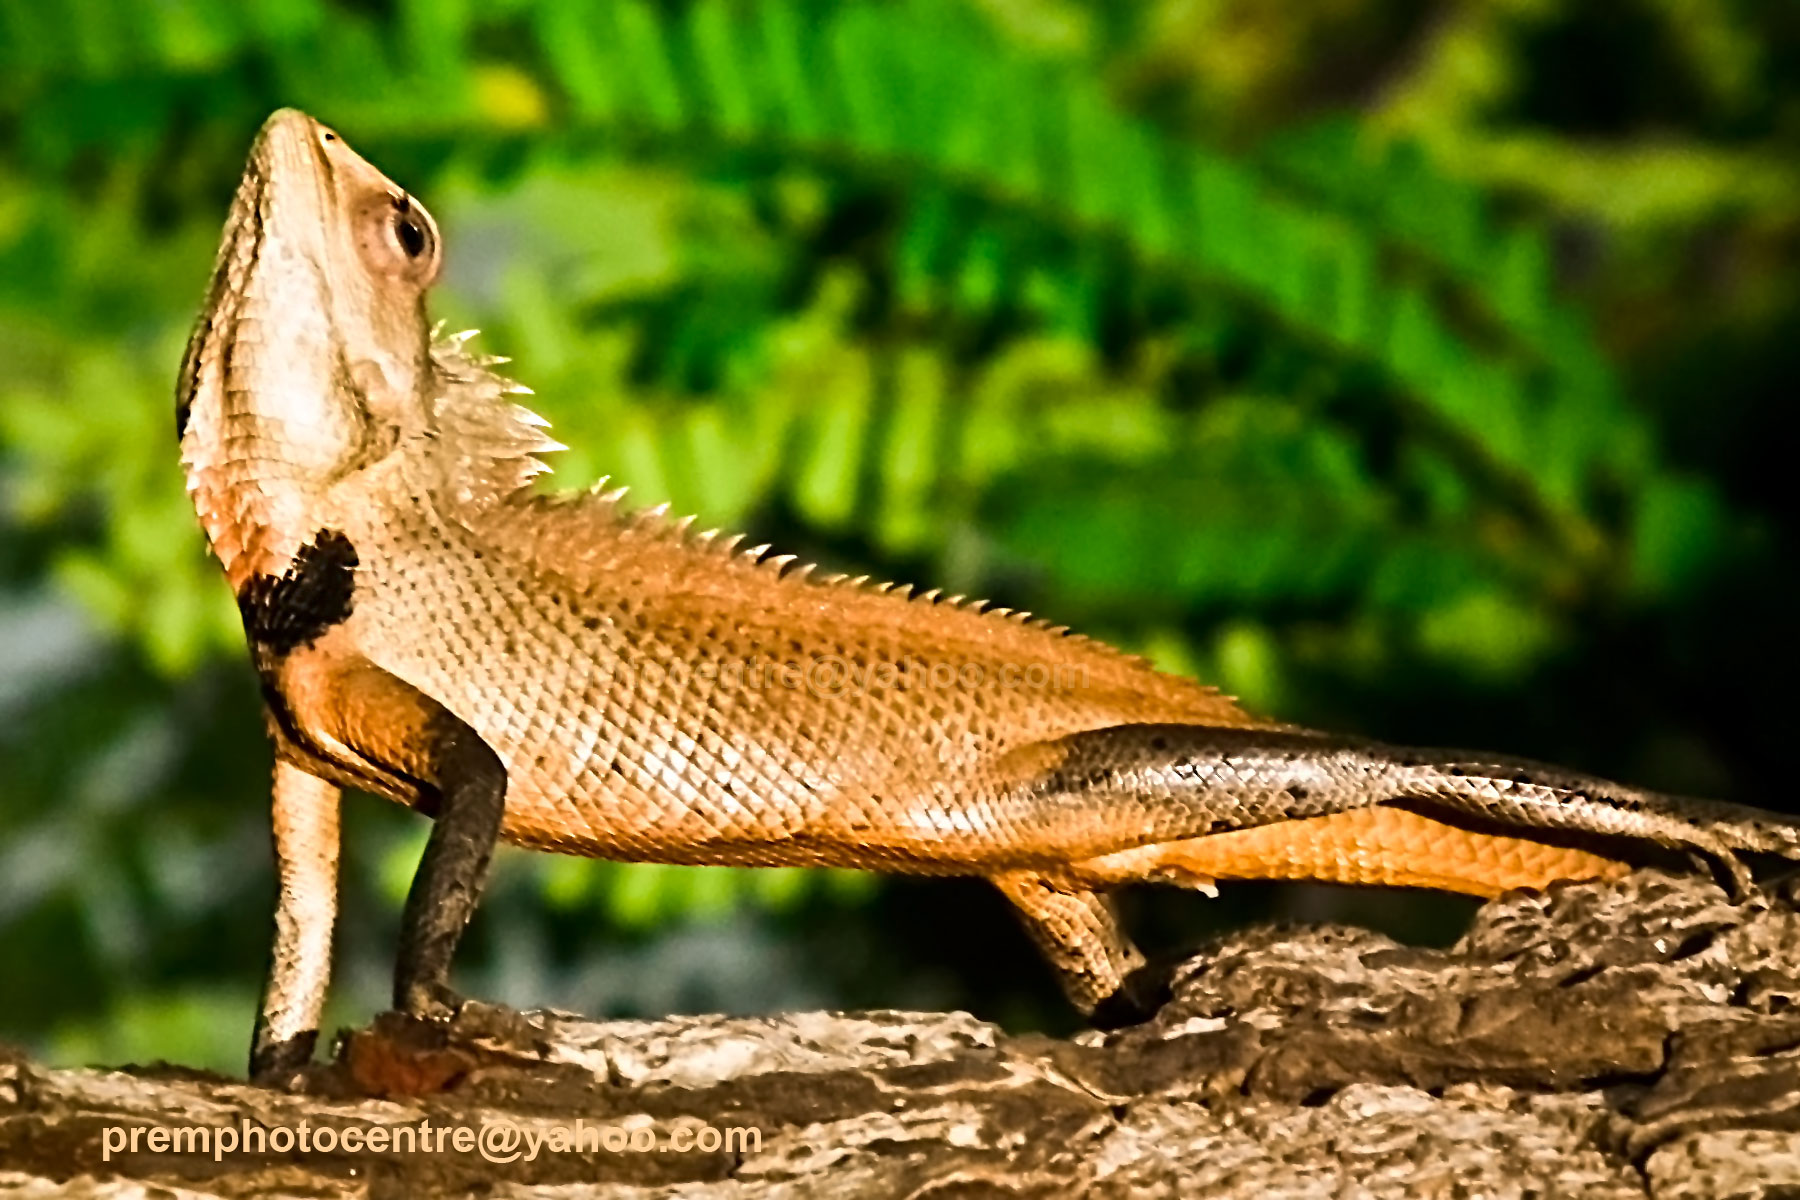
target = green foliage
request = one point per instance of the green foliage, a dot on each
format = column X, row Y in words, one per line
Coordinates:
column 927, row 289
column 1027, row 214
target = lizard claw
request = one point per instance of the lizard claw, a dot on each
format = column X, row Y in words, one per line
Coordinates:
column 1138, row 999
column 1180, row 875
column 282, row 1065
column 1730, row 872
column 434, row 1002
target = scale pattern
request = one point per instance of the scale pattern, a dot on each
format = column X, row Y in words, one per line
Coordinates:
column 660, row 694
column 417, row 610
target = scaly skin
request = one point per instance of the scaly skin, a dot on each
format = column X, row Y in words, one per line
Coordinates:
column 574, row 676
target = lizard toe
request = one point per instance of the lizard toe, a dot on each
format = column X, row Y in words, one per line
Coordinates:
column 1138, row 998
column 281, row 1065
column 435, row 1002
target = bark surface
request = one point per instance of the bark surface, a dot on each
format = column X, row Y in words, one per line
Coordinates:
column 1627, row 1039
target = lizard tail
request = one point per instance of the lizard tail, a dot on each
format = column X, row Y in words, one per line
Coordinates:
column 1521, row 792
column 1168, row 783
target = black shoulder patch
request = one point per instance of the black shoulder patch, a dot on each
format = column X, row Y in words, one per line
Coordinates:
column 284, row 613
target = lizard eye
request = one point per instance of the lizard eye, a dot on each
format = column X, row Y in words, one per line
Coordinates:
column 403, row 241
column 411, row 234
column 413, row 230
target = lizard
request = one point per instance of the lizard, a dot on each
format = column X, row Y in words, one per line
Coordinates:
column 565, row 672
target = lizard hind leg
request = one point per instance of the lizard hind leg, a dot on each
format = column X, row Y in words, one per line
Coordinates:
column 1186, row 804
column 1100, row 970
column 1382, row 844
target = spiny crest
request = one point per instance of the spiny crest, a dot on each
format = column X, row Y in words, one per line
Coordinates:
column 606, row 506
column 492, row 442
column 497, row 443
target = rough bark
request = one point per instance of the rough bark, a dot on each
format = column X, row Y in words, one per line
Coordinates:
column 1623, row 1040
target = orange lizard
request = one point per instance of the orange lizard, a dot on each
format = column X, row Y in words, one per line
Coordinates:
column 570, row 675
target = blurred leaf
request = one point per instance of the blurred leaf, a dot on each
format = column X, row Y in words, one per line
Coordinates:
column 1489, row 635
column 1682, row 534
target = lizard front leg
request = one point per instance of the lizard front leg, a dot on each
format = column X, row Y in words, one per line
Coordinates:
column 370, row 728
column 453, row 870
column 305, row 813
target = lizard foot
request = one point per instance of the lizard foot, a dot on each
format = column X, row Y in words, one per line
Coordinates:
column 429, row 1001
column 1138, row 998
column 1181, row 864
column 1728, row 870
column 478, row 1020
column 282, row 1065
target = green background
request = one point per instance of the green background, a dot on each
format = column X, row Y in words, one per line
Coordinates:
column 1405, row 368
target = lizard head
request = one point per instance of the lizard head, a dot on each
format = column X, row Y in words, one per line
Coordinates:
column 312, row 355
